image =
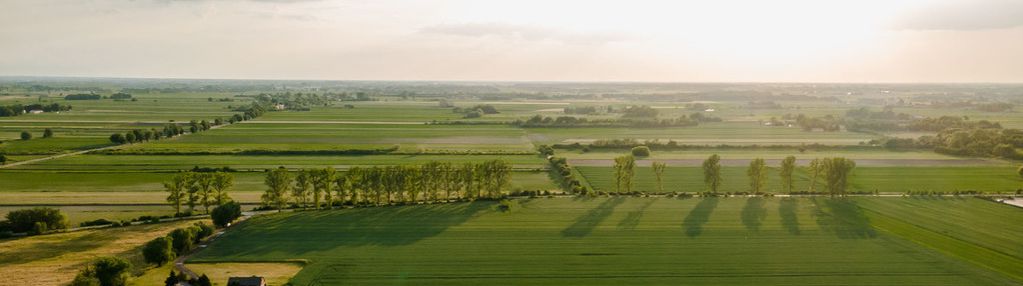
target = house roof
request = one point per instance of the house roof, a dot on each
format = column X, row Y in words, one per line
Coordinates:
column 246, row 281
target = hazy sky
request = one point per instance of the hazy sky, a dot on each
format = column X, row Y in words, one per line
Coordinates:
column 756, row 40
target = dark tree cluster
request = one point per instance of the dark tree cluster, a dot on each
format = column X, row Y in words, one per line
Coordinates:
column 561, row 169
column 476, row 111
column 37, row 220
column 639, row 111
column 19, row 109
column 82, row 96
column 120, row 96
column 571, row 121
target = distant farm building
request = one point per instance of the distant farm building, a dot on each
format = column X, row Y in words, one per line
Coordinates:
column 35, row 111
column 246, row 281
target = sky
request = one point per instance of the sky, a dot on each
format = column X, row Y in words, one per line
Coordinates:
column 521, row 40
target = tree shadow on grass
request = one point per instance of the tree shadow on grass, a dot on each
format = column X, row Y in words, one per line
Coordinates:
column 585, row 223
column 787, row 210
column 631, row 219
column 292, row 234
column 53, row 247
column 843, row 217
column 753, row 213
column 694, row 221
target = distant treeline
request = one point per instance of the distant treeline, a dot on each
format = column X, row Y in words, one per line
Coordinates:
column 83, row 96
column 18, row 109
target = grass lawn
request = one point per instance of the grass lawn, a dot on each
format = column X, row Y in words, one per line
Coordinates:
column 615, row 241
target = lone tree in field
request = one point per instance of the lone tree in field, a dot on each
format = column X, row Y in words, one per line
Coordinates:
column 47, row 133
column 26, row 136
column 788, row 166
column 278, row 182
column 836, row 173
column 712, row 172
column 625, row 169
column 3, row 159
column 757, row 173
column 815, row 168
column 659, row 174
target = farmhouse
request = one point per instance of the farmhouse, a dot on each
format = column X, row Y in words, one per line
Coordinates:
column 35, row 111
column 246, row 281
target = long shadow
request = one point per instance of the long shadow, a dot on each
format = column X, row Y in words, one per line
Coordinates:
column 753, row 213
column 787, row 210
column 289, row 235
column 844, row 218
column 631, row 219
column 694, row 221
column 585, row 223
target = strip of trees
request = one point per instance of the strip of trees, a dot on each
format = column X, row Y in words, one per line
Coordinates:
column 625, row 170
column 194, row 189
column 19, row 109
column 834, row 171
column 360, row 186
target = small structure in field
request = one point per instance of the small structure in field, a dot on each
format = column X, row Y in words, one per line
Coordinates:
column 246, row 281
column 35, row 111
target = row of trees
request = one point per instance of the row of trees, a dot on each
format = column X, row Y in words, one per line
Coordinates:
column 19, row 109
column 433, row 181
column 834, row 171
column 572, row 121
column 193, row 189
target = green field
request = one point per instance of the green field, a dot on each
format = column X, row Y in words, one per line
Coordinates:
column 863, row 179
column 614, row 241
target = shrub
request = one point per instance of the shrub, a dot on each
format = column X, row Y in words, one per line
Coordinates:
column 26, row 136
column 204, row 230
column 226, row 213
column 183, row 239
column 25, row 220
column 48, row 133
column 96, row 222
column 507, row 205
column 158, row 251
column 641, row 151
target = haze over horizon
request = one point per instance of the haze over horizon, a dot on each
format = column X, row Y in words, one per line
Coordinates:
column 461, row 40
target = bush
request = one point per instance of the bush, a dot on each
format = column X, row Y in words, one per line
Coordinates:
column 158, row 251
column 25, row 220
column 111, row 271
column 183, row 240
column 641, row 151
column 226, row 213
column 96, row 222
column 508, row 205
column 26, row 136
column 205, row 231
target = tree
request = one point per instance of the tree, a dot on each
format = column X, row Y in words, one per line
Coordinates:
column 624, row 171
column 171, row 280
column 226, row 213
column 204, row 185
column 176, row 191
column 788, row 165
column 26, row 136
column 757, row 173
column 659, row 174
column 712, row 172
column 3, row 159
column 111, row 271
column 158, row 251
column 814, row 169
column 47, row 133
column 222, row 182
column 641, row 151
column 278, row 182
column 30, row 220
column 836, row 174
column 129, row 137
column 85, row 278
column 203, row 281
column 303, row 184
column 118, row 138
column 323, row 180
column 183, row 240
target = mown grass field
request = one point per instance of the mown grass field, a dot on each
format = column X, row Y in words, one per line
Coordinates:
column 864, row 179
column 55, row 259
column 615, row 241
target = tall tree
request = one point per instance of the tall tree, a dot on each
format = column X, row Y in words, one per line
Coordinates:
column 222, row 182
column 814, row 169
column 176, row 189
column 323, row 181
column 659, row 174
column 625, row 169
column 836, row 174
column 303, row 184
column 192, row 189
column 204, row 183
column 278, row 181
column 712, row 172
column 757, row 173
column 788, row 166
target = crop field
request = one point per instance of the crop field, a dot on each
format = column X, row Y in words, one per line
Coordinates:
column 863, row 179
column 611, row 241
column 727, row 133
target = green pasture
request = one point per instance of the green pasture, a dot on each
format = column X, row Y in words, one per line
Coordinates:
column 616, row 241
column 717, row 133
column 864, row 179
column 91, row 162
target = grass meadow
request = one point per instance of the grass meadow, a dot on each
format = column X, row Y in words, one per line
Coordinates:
column 614, row 241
